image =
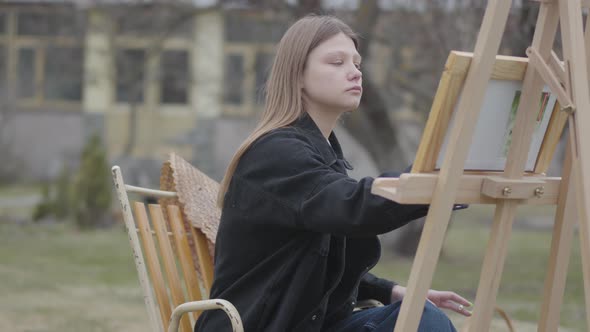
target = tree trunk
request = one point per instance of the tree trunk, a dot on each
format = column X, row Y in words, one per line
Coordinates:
column 371, row 124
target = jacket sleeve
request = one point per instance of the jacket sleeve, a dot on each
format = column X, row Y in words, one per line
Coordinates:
column 288, row 169
column 372, row 287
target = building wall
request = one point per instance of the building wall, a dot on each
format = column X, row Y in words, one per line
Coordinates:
column 105, row 102
column 44, row 142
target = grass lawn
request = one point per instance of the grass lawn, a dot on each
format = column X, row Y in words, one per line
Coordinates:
column 16, row 201
column 54, row 278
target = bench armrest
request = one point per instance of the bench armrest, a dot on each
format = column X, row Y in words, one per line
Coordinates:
column 226, row 306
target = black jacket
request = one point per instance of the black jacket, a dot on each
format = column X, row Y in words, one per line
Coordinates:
column 298, row 236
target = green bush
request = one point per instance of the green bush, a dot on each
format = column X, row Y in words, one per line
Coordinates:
column 56, row 199
column 63, row 196
column 84, row 196
column 92, row 190
column 45, row 207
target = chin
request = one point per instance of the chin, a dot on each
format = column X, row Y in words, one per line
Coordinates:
column 345, row 107
column 352, row 107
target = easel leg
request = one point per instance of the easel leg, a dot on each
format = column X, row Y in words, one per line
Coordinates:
column 493, row 265
column 446, row 189
column 561, row 247
column 497, row 249
column 587, row 44
column 579, row 126
column 584, row 245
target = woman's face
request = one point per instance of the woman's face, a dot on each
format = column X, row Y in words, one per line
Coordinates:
column 332, row 80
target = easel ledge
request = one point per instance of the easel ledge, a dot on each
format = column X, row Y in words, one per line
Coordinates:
column 418, row 188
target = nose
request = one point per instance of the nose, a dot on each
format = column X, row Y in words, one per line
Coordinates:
column 355, row 74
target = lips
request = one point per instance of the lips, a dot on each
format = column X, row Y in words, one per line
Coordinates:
column 355, row 88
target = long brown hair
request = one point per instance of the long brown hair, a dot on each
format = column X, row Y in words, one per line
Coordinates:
column 284, row 101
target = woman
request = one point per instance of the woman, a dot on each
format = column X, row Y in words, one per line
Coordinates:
column 298, row 236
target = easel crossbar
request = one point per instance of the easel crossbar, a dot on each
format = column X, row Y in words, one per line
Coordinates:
column 549, row 77
column 412, row 188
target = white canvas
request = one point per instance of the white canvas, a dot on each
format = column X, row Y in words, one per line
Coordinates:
column 489, row 147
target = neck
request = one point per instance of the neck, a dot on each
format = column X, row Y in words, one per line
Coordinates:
column 325, row 120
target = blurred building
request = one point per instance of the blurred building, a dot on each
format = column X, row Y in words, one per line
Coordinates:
column 150, row 77
column 145, row 78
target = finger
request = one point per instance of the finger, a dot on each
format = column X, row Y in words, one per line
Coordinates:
column 456, row 307
column 459, row 299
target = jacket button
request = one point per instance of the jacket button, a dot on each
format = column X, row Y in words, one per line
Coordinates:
column 314, row 317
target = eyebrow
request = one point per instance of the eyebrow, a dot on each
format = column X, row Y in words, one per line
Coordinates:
column 342, row 53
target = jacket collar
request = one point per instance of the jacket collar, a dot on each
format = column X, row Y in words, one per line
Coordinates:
column 330, row 152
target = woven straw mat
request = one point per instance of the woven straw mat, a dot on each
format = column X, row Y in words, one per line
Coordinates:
column 197, row 197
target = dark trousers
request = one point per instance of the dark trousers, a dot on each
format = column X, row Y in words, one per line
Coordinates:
column 382, row 319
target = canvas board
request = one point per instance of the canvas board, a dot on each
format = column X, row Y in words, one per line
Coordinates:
column 493, row 131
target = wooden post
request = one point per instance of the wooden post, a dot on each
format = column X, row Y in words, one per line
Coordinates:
column 561, row 247
column 579, row 124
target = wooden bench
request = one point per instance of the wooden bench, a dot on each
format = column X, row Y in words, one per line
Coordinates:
column 173, row 259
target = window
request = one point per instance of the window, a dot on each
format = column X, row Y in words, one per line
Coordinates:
column 252, row 28
column 48, row 55
column 46, row 23
column 26, row 73
column 130, row 64
column 175, row 77
column 63, row 73
column 262, row 67
column 149, row 21
column 233, row 79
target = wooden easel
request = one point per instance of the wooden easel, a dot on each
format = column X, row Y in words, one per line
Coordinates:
column 510, row 188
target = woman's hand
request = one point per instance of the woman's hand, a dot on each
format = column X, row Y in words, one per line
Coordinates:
column 441, row 299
